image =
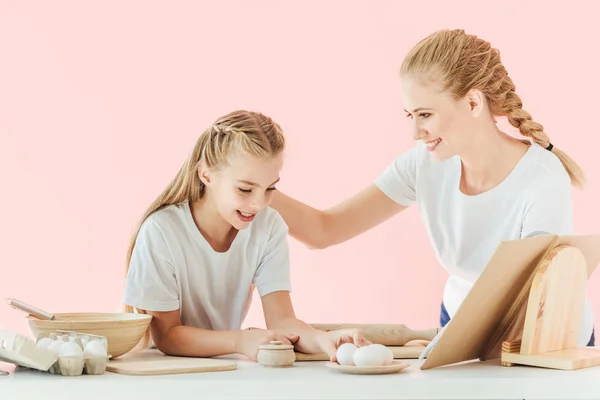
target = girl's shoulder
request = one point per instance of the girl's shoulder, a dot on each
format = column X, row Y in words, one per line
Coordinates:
column 169, row 220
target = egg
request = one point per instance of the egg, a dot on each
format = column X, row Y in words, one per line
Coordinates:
column 345, row 353
column 56, row 345
column 43, row 343
column 367, row 356
column 77, row 341
column 95, row 348
column 70, row 349
column 386, row 354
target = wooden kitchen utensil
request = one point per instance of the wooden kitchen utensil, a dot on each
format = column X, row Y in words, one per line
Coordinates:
column 385, row 334
column 31, row 310
column 495, row 312
column 553, row 315
column 156, row 363
column 409, row 351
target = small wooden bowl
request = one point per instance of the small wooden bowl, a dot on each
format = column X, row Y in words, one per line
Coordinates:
column 276, row 354
column 123, row 331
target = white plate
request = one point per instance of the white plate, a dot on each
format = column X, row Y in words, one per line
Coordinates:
column 394, row 367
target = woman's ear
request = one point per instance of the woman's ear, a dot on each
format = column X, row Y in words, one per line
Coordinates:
column 476, row 101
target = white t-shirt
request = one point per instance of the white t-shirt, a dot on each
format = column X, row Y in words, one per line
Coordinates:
column 466, row 230
column 174, row 267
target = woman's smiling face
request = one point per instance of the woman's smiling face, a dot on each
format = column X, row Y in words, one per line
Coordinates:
column 441, row 121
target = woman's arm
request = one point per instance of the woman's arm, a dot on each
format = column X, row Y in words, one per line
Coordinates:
column 319, row 229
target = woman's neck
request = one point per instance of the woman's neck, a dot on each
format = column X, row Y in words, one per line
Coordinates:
column 217, row 232
column 489, row 159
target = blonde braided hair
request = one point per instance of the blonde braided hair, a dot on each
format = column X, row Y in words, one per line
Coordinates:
column 462, row 62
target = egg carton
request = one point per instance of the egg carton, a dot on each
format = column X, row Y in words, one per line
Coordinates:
column 79, row 353
column 21, row 351
column 35, row 354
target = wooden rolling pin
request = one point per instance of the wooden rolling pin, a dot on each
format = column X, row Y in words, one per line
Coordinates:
column 399, row 352
column 386, row 334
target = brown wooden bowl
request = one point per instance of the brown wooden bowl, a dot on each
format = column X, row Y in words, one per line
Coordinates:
column 123, row 331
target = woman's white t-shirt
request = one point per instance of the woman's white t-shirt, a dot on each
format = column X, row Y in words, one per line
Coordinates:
column 466, row 230
column 174, row 267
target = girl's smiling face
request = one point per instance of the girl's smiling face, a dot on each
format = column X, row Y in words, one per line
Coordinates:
column 243, row 187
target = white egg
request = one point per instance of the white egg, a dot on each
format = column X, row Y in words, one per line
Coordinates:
column 56, row 345
column 345, row 354
column 95, row 348
column 70, row 349
column 43, row 343
column 77, row 341
column 367, row 356
column 386, row 354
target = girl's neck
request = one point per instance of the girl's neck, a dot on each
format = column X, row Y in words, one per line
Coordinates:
column 489, row 159
column 217, row 232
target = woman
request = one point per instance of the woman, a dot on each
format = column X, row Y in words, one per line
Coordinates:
column 475, row 186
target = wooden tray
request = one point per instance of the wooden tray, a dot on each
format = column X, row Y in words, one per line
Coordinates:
column 156, row 363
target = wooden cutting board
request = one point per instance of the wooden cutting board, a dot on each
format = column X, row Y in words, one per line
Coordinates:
column 156, row 363
column 410, row 351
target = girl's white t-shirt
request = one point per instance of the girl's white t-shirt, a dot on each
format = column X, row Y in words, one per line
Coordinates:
column 466, row 230
column 174, row 267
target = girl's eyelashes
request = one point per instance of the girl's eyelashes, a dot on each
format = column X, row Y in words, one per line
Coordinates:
column 246, row 191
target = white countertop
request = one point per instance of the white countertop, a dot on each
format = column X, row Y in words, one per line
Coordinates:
column 312, row 380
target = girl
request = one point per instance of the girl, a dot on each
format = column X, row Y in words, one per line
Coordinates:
column 474, row 185
column 209, row 239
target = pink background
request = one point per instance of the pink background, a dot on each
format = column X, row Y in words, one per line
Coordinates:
column 100, row 103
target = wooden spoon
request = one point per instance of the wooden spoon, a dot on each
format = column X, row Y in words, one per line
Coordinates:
column 36, row 312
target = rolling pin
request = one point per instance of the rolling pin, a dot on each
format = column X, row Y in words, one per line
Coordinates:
column 399, row 352
column 385, row 334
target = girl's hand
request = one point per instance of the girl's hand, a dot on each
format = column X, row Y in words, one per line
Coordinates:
column 252, row 338
column 330, row 341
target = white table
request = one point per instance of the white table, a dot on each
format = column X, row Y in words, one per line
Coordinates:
column 312, row 380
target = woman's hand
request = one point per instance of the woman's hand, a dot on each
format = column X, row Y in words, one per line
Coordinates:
column 330, row 341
